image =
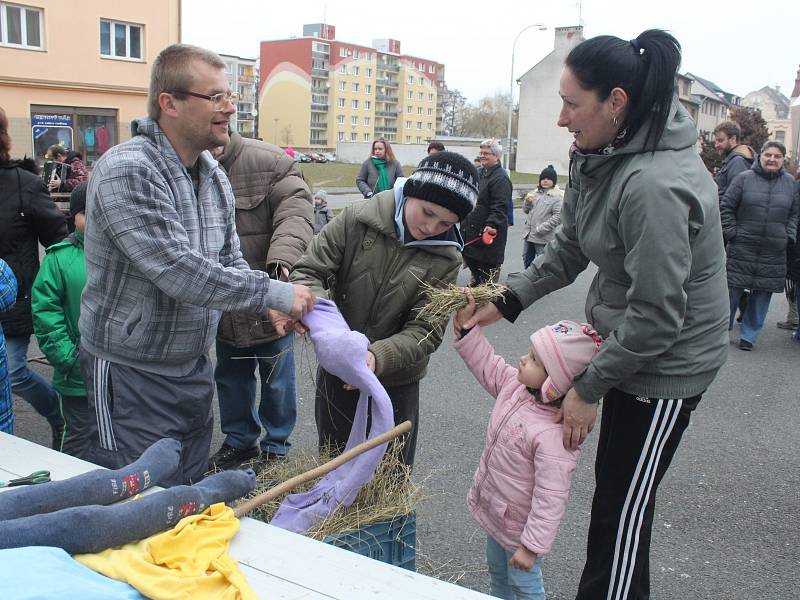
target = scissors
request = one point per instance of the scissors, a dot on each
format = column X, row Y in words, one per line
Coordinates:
column 35, row 477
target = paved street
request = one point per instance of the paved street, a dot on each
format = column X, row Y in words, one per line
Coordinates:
column 726, row 524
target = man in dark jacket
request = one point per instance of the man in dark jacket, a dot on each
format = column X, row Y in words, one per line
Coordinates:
column 28, row 217
column 737, row 157
column 274, row 216
column 490, row 216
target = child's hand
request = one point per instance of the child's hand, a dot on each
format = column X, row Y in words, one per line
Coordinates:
column 464, row 314
column 370, row 365
column 523, row 559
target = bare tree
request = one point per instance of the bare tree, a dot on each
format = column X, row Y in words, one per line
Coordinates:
column 286, row 135
column 488, row 117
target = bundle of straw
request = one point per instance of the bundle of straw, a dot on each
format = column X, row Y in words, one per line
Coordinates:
column 390, row 494
column 444, row 301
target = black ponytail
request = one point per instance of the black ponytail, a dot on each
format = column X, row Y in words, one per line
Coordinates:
column 644, row 67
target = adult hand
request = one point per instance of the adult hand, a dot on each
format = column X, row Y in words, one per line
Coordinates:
column 490, row 230
column 577, row 418
column 523, row 559
column 484, row 316
column 370, row 366
column 465, row 313
column 303, row 302
column 55, row 183
column 284, row 324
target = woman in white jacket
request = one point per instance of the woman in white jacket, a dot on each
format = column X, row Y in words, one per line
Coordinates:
column 543, row 207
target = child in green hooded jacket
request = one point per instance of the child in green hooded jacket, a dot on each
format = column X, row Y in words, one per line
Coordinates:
column 55, row 304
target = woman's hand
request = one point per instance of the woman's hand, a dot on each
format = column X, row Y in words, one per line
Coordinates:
column 484, row 316
column 464, row 314
column 577, row 418
column 523, row 559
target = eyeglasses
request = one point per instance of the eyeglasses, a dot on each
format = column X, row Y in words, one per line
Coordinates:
column 218, row 101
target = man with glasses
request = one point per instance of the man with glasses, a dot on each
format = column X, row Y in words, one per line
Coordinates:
column 163, row 263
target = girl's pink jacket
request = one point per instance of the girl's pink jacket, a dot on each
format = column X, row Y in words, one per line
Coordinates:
column 520, row 490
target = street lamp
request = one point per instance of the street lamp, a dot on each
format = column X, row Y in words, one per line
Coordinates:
column 540, row 27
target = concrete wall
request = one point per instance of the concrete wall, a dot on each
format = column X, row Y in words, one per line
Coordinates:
column 407, row 154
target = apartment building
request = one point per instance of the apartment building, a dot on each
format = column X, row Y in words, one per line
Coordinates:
column 714, row 104
column 76, row 74
column 242, row 76
column 774, row 108
column 315, row 91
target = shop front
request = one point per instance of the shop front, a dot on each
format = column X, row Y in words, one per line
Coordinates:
column 90, row 131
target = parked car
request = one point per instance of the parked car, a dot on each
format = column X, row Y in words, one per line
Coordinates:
column 301, row 157
column 317, row 158
column 330, row 156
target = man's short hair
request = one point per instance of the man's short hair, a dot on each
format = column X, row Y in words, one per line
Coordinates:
column 774, row 144
column 172, row 72
column 493, row 145
column 729, row 128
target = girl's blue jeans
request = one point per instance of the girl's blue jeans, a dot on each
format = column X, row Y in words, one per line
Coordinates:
column 510, row 582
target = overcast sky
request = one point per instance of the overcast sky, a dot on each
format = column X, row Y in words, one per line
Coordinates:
column 722, row 41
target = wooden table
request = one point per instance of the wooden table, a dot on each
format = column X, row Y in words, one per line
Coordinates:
column 278, row 564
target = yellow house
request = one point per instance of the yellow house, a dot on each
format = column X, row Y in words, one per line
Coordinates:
column 77, row 73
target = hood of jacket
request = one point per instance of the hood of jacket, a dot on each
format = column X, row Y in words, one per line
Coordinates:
column 451, row 237
column 679, row 133
column 764, row 173
column 741, row 150
column 26, row 164
column 150, row 129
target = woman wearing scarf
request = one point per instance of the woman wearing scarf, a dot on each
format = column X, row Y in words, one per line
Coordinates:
column 379, row 172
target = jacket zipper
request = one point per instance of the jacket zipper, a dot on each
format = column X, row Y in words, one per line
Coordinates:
column 490, row 449
column 384, row 281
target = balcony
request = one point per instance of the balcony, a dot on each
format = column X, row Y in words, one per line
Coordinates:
column 385, row 129
column 392, row 114
column 319, row 107
column 320, row 55
column 318, row 125
column 244, row 116
column 246, row 79
column 388, row 82
column 384, row 98
column 318, row 142
column 391, row 67
column 323, row 73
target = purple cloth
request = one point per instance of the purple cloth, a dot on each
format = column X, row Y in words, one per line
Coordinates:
column 342, row 353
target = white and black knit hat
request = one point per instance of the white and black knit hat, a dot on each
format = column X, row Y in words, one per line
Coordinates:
column 447, row 179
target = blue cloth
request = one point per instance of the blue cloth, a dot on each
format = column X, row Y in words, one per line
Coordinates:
column 510, row 582
column 755, row 313
column 41, row 572
column 341, row 352
column 28, row 384
column 239, row 418
column 8, row 297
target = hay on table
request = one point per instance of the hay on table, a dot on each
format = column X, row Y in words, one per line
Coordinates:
column 389, row 494
column 444, row 301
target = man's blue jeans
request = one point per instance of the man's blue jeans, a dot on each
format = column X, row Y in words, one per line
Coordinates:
column 510, row 582
column 29, row 385
column 754, row 313
column 239, row 419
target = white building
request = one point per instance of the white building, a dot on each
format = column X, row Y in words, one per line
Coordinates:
column 242, row 76
column 714, row 104
column 774, row 108
column 541, row 141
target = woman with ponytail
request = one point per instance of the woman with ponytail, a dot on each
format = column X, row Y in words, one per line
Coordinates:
column 641, row 206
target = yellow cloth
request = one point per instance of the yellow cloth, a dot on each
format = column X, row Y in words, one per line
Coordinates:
column 188, row 562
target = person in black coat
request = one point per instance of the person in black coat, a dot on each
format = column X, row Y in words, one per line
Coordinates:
column 759, row 212
column 490, row 215
column 28, row 217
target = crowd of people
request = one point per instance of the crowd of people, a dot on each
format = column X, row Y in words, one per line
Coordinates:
column 189, row 236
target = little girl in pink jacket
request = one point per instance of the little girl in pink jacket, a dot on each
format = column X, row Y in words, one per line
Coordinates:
column 520, row 489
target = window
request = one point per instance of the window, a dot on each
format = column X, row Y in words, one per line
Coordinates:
column 356, row 54
column 354, row 121
column 367, row 105
column 419, row 139
column 430, row 125
column 419, row 110
column 341, row 102
column 354, row 137
column 410, row 95
column 419, row 124
column 355, row 87
column 422, row 81
column 343, row 52
column 408, row 139
column 421, row 67
column 780, row 136
column 367, row 137
column 366, row 121
column 342, row 85
column 431, row 69
column 120, row 40
column 90, row 131
column 355, row 104
column 410, row 80
column 369, row 72
column 343, row 69
column 408, row 124
column 409, row 109
column 340, row 119
column 430, row 112
column 420, row 96
column 340, row 136
column 354, row 70
column 20, row 26
column 430, row 97
column 368, row 88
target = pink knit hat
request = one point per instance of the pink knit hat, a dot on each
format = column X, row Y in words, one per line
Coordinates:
column 564, row 349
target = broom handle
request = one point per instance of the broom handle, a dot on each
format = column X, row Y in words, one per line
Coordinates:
column 245, row 507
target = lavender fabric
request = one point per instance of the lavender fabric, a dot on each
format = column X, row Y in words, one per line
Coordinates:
column 342, row 353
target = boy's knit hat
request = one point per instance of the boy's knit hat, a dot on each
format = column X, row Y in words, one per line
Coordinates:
column 447, row 179
column 321, row 194
column 549, row 172
column 77, row 199
column 564, row 349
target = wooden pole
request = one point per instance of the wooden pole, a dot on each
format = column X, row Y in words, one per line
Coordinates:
column 245, row 507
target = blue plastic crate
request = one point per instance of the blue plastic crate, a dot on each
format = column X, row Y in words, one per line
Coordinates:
column 393, row 542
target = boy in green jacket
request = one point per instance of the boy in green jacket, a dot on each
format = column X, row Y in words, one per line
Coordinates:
column 372, row 260
column 55, row 303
